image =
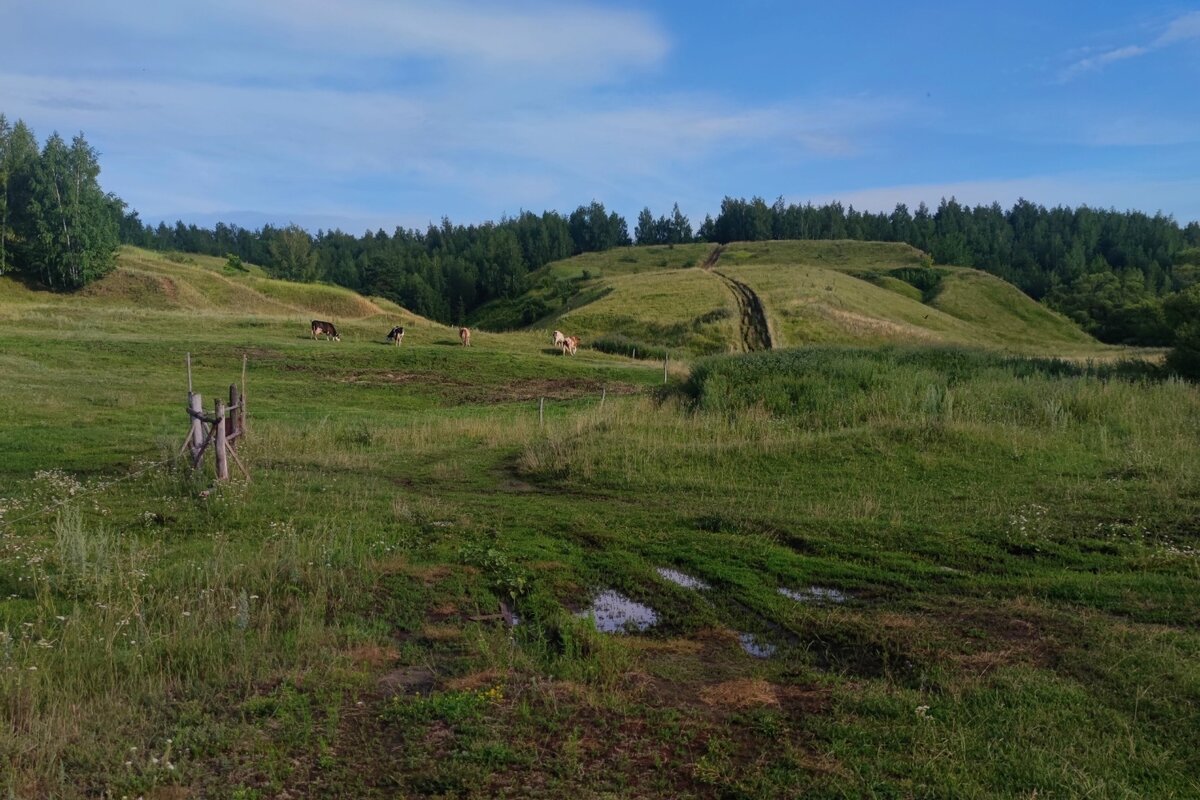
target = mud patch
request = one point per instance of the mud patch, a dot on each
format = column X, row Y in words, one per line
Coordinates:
column 408, row 680
column 681, row 578
column 815, row 594
column 756, row 647
column 613, row 612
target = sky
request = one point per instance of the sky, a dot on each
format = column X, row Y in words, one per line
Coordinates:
column 368, row 114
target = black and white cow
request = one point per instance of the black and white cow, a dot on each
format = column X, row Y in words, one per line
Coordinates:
column 322, row 328
column 396, row 335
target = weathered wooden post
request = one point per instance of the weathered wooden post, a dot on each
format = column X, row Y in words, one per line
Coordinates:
column 222, row 455
column 541, row 412
column 242, row 410
column 666, row 360
column 196, row 407
column 233, row 428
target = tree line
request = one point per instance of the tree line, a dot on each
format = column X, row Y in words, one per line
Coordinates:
column 57, row 226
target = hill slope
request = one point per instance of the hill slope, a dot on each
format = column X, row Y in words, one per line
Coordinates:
column 753, row 295
column 194, row 284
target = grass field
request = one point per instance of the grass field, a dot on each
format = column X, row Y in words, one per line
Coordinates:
column 990, row 563
column 812, row 292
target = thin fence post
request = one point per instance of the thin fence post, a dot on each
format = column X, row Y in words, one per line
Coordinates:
column 195, row 405
column 603, row 394
column 232, row 426
column 189, row 368
column 666, row 359
column 242, row 409
column 222, row 455
column 541, row 412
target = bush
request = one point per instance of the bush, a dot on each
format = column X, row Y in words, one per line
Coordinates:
column 619, row 345
column 234, row 262
column 840, row 386
column 1184, row 359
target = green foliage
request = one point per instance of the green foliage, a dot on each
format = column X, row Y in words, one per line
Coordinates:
column 672, row 230
column 1184, row 358
column 56, row 224
column 842, row 387
column 620, row 345
column 234, row 263
column 1113, row 308
column 292, row 256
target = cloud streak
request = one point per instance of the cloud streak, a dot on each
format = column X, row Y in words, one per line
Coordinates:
column 1184, row 28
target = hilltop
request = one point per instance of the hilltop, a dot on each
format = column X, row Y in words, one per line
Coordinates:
column 703, row 299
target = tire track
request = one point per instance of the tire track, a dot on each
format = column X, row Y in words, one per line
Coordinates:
column 755, row 332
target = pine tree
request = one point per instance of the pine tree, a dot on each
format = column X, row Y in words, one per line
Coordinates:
column 646, row 230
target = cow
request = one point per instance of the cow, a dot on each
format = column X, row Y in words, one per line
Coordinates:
column 465, row 335
column 396, row 335
column 321, row 327
column 558, row 338
column 570, row 345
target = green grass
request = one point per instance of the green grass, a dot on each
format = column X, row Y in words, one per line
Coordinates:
column 812, row 292
column 1018, row 540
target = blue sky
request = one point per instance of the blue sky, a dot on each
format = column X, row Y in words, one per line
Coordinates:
column 375, row 113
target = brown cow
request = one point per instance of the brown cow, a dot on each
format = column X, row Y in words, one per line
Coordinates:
column 465, row 335
column 570, row 345
column 321, row 327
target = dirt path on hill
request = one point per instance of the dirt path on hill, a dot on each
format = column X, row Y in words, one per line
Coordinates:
column 756, row 334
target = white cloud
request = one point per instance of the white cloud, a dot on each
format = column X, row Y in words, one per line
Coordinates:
column 359, row 40
column 1181, row 29
column 582, row 39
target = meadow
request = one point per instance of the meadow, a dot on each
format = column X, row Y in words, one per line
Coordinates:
column 886, row 571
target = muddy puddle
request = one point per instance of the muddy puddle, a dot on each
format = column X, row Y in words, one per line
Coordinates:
column 815, row 594
column 755, row 646
column 681, row 578
column 613, row 612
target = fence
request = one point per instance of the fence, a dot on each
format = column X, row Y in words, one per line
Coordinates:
column 220, row 430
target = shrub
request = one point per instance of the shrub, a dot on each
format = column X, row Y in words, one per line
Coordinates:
column 619, row 345
column 1184, row 359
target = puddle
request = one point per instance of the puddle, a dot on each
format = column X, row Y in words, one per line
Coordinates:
column 613, row 612
column 756, row 647
column 681, row 578
column 815, row 594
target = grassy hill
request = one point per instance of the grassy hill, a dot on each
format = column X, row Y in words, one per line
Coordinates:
column 687, row 298
column 203, row 288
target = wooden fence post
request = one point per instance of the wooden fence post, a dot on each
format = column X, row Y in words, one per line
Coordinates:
column 222, row 455
column 195, row 405
column 666, row 360
column 541, row 412
column 233, row 424
column 242, row 410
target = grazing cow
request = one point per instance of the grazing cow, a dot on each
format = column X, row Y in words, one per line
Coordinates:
column 570, row 345
column 558, row 338
column 321, row 327
column 396, row 335
column 465, row 335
